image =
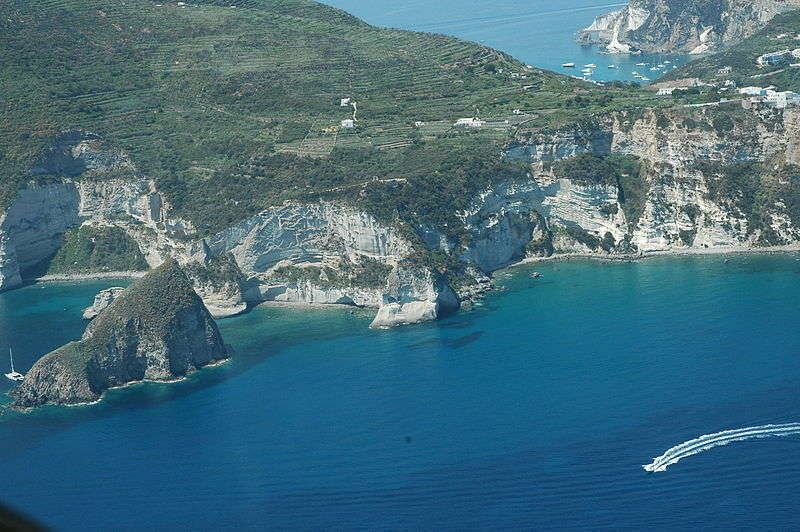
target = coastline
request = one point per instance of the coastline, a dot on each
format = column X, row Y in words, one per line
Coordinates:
column 65, row 277
column 301, row 305
column 635, row 257
column 474, row 298
column 182, row 378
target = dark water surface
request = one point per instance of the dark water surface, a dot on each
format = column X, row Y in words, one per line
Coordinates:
column 535, row 411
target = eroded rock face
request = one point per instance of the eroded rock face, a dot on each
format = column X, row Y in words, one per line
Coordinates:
column 102, row 300
column 31, row 229
column 332, row 253
column 77, row 152
column 156, row 330
column 677, row 26
column 277, row 249
column 691, row 198
column 418, row 296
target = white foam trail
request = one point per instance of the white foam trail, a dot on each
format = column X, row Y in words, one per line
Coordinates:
column 709, row 441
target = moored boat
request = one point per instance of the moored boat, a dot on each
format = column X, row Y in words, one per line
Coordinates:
column 14, row 376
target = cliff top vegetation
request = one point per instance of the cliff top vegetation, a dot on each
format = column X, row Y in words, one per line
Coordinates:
column 155, row 301
column 235, row 105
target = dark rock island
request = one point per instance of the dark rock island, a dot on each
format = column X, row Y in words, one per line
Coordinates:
column 156, row 330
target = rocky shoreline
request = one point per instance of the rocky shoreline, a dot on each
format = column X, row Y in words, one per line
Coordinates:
column 66, row 277
column 635, row 257
column 123, row 386
column 627, row 180
column 156, row 330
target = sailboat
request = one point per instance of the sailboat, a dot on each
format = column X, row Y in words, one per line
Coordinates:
column 14, row 376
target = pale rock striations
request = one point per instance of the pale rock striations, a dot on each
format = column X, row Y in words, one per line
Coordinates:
column 678, row 26
column 333, row 253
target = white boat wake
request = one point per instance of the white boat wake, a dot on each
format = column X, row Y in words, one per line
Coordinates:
column 709, row 441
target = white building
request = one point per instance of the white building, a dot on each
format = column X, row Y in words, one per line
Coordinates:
column 779, row 57
column 469, row 122
column 348, row 123
column 753, row 91
column 769, row 96
column 781, row 100
column 345, row 102
column 666, row 91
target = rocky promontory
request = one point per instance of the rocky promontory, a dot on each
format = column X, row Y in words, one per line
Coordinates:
column 102, row 301
column 677, row 26
column 156, row 330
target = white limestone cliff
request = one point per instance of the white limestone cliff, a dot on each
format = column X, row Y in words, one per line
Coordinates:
column 333, row 253
column 676, row 26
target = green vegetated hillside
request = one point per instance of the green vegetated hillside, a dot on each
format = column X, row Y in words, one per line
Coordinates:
column 234, row 105
column 779, row 34
column 92, row 249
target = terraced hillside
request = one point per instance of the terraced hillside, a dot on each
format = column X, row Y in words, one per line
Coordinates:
column 234, row 105
column 739, row 61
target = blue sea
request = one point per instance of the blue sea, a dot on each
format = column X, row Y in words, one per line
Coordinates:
column 534, row 411
column 538, row 32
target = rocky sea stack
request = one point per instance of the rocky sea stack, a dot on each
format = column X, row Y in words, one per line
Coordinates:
column 156, row 330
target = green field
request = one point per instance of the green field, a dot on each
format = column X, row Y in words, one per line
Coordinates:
column 234, row 106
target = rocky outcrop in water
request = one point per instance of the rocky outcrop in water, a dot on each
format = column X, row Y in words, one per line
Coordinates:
column 677, row 26
column 156, row 330
column 102, row 300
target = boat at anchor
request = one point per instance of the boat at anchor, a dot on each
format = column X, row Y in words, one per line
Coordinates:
column 14, row 376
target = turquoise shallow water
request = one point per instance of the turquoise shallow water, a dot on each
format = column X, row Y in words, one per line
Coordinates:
column 535, row 411
column 538, row 32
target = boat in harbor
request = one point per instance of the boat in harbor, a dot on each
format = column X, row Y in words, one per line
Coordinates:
column 568, row 65
column 14, row 376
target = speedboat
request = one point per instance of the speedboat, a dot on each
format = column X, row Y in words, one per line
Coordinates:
column 568, row 65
